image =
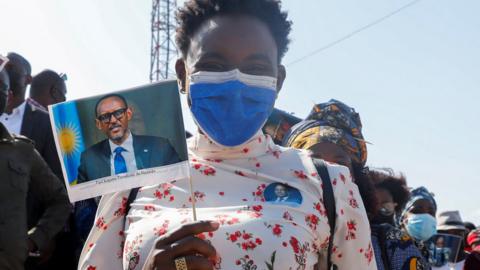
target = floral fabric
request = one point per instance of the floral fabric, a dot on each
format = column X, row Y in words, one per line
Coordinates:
column 400, row 252
column 237, row 188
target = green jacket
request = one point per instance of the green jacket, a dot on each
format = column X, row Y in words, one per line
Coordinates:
column 22, row 169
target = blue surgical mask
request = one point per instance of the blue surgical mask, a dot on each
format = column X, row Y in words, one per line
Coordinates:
column 421, row 226
column 231, row 107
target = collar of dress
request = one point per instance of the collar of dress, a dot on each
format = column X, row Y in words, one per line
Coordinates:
column 200, row 145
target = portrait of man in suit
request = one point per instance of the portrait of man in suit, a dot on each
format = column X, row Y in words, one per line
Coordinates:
column 122, row 151
column 279, row 193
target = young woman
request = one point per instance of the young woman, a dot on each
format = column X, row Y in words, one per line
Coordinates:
column 231, row 73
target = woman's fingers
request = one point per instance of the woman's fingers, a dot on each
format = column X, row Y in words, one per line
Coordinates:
column 187, row 230
column 191, row 245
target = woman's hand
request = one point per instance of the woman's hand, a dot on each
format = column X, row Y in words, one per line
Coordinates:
column 182, row 243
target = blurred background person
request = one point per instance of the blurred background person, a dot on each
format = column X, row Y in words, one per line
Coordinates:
column 473, row 259
column 451, row 223
column 29, row 118
column 469, row 226
column 24, row 171
column 48, row 88
column 392, row 194
column 333, row 132
column 418, row 218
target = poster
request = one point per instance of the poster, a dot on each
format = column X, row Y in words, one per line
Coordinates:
column 121, row 140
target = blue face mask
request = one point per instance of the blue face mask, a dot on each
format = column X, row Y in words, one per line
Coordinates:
column 421, row 226
column 231, row 107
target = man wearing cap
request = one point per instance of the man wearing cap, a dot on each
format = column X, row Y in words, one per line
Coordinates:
column 451, row 223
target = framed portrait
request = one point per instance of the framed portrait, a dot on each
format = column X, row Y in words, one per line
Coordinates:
column 121, row 140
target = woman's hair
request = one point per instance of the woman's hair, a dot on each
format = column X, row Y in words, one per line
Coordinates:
column 195, row 12
column 366, row 188
column 396, row 185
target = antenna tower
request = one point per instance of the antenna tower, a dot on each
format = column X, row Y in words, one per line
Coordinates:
column 163, row 50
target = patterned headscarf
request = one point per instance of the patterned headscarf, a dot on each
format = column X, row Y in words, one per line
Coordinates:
column 417, row 194
column 332, row 122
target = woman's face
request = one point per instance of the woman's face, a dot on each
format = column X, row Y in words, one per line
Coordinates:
column 385, row 200
column 422, row 207
column 224, row 43
column 332, row 153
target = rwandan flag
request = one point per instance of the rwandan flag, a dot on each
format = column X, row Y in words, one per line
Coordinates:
column 70, row 138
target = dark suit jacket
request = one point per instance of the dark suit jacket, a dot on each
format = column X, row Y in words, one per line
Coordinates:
column 149, row 151
column 36, row 126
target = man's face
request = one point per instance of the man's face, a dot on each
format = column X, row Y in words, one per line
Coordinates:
column 58, row 92
column 19, row 77
column 281, row 191
column 4, row 87
column 112, row 119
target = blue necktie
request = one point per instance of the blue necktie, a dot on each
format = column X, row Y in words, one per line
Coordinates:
column 119, row 161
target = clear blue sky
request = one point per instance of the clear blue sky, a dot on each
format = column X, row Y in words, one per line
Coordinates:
column 414, row 78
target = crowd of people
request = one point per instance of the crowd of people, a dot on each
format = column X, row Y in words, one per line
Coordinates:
column 305, row 200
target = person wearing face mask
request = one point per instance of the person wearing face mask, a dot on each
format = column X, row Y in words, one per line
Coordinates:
column 418, row 218
column 392, row 193
column 23, row 171
column 333, row 132
column 231, row 73
column 450, row 223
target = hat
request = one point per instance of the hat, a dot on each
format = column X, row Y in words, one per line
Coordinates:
column 450, row 220
column 332, row 122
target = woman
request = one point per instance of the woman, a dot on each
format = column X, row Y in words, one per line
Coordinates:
column 392, row 194
column 418, row 218
column 231, row 73
column 333, row 131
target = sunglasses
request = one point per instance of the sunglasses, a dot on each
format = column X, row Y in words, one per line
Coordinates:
column 106, row 117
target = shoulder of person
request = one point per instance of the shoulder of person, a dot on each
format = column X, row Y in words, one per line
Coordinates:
column 23, row 139
column 148, row 139
column 36, row 108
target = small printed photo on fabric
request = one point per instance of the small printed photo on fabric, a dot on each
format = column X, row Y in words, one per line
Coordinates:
column 121, row 140
column 279, row 193
column 443, row 248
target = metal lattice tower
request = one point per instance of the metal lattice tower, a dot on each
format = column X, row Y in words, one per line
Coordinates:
column 163, row 50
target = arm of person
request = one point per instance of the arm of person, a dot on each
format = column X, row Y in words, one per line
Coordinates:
column 51, row 192
column 352, row 247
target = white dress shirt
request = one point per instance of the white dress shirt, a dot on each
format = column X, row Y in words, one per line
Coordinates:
column 13, row 122
column 128, row 155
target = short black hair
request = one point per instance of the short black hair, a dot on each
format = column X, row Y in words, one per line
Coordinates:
column 15, row 57
column 124, row 100
column 195, row 12
column 42, row 81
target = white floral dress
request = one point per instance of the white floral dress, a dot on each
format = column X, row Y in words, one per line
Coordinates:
column 268, row 200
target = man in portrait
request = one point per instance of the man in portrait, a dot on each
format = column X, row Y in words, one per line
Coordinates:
column 281, row 191
column 122, row 151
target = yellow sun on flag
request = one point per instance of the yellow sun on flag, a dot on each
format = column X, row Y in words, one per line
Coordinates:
column 68, row 137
